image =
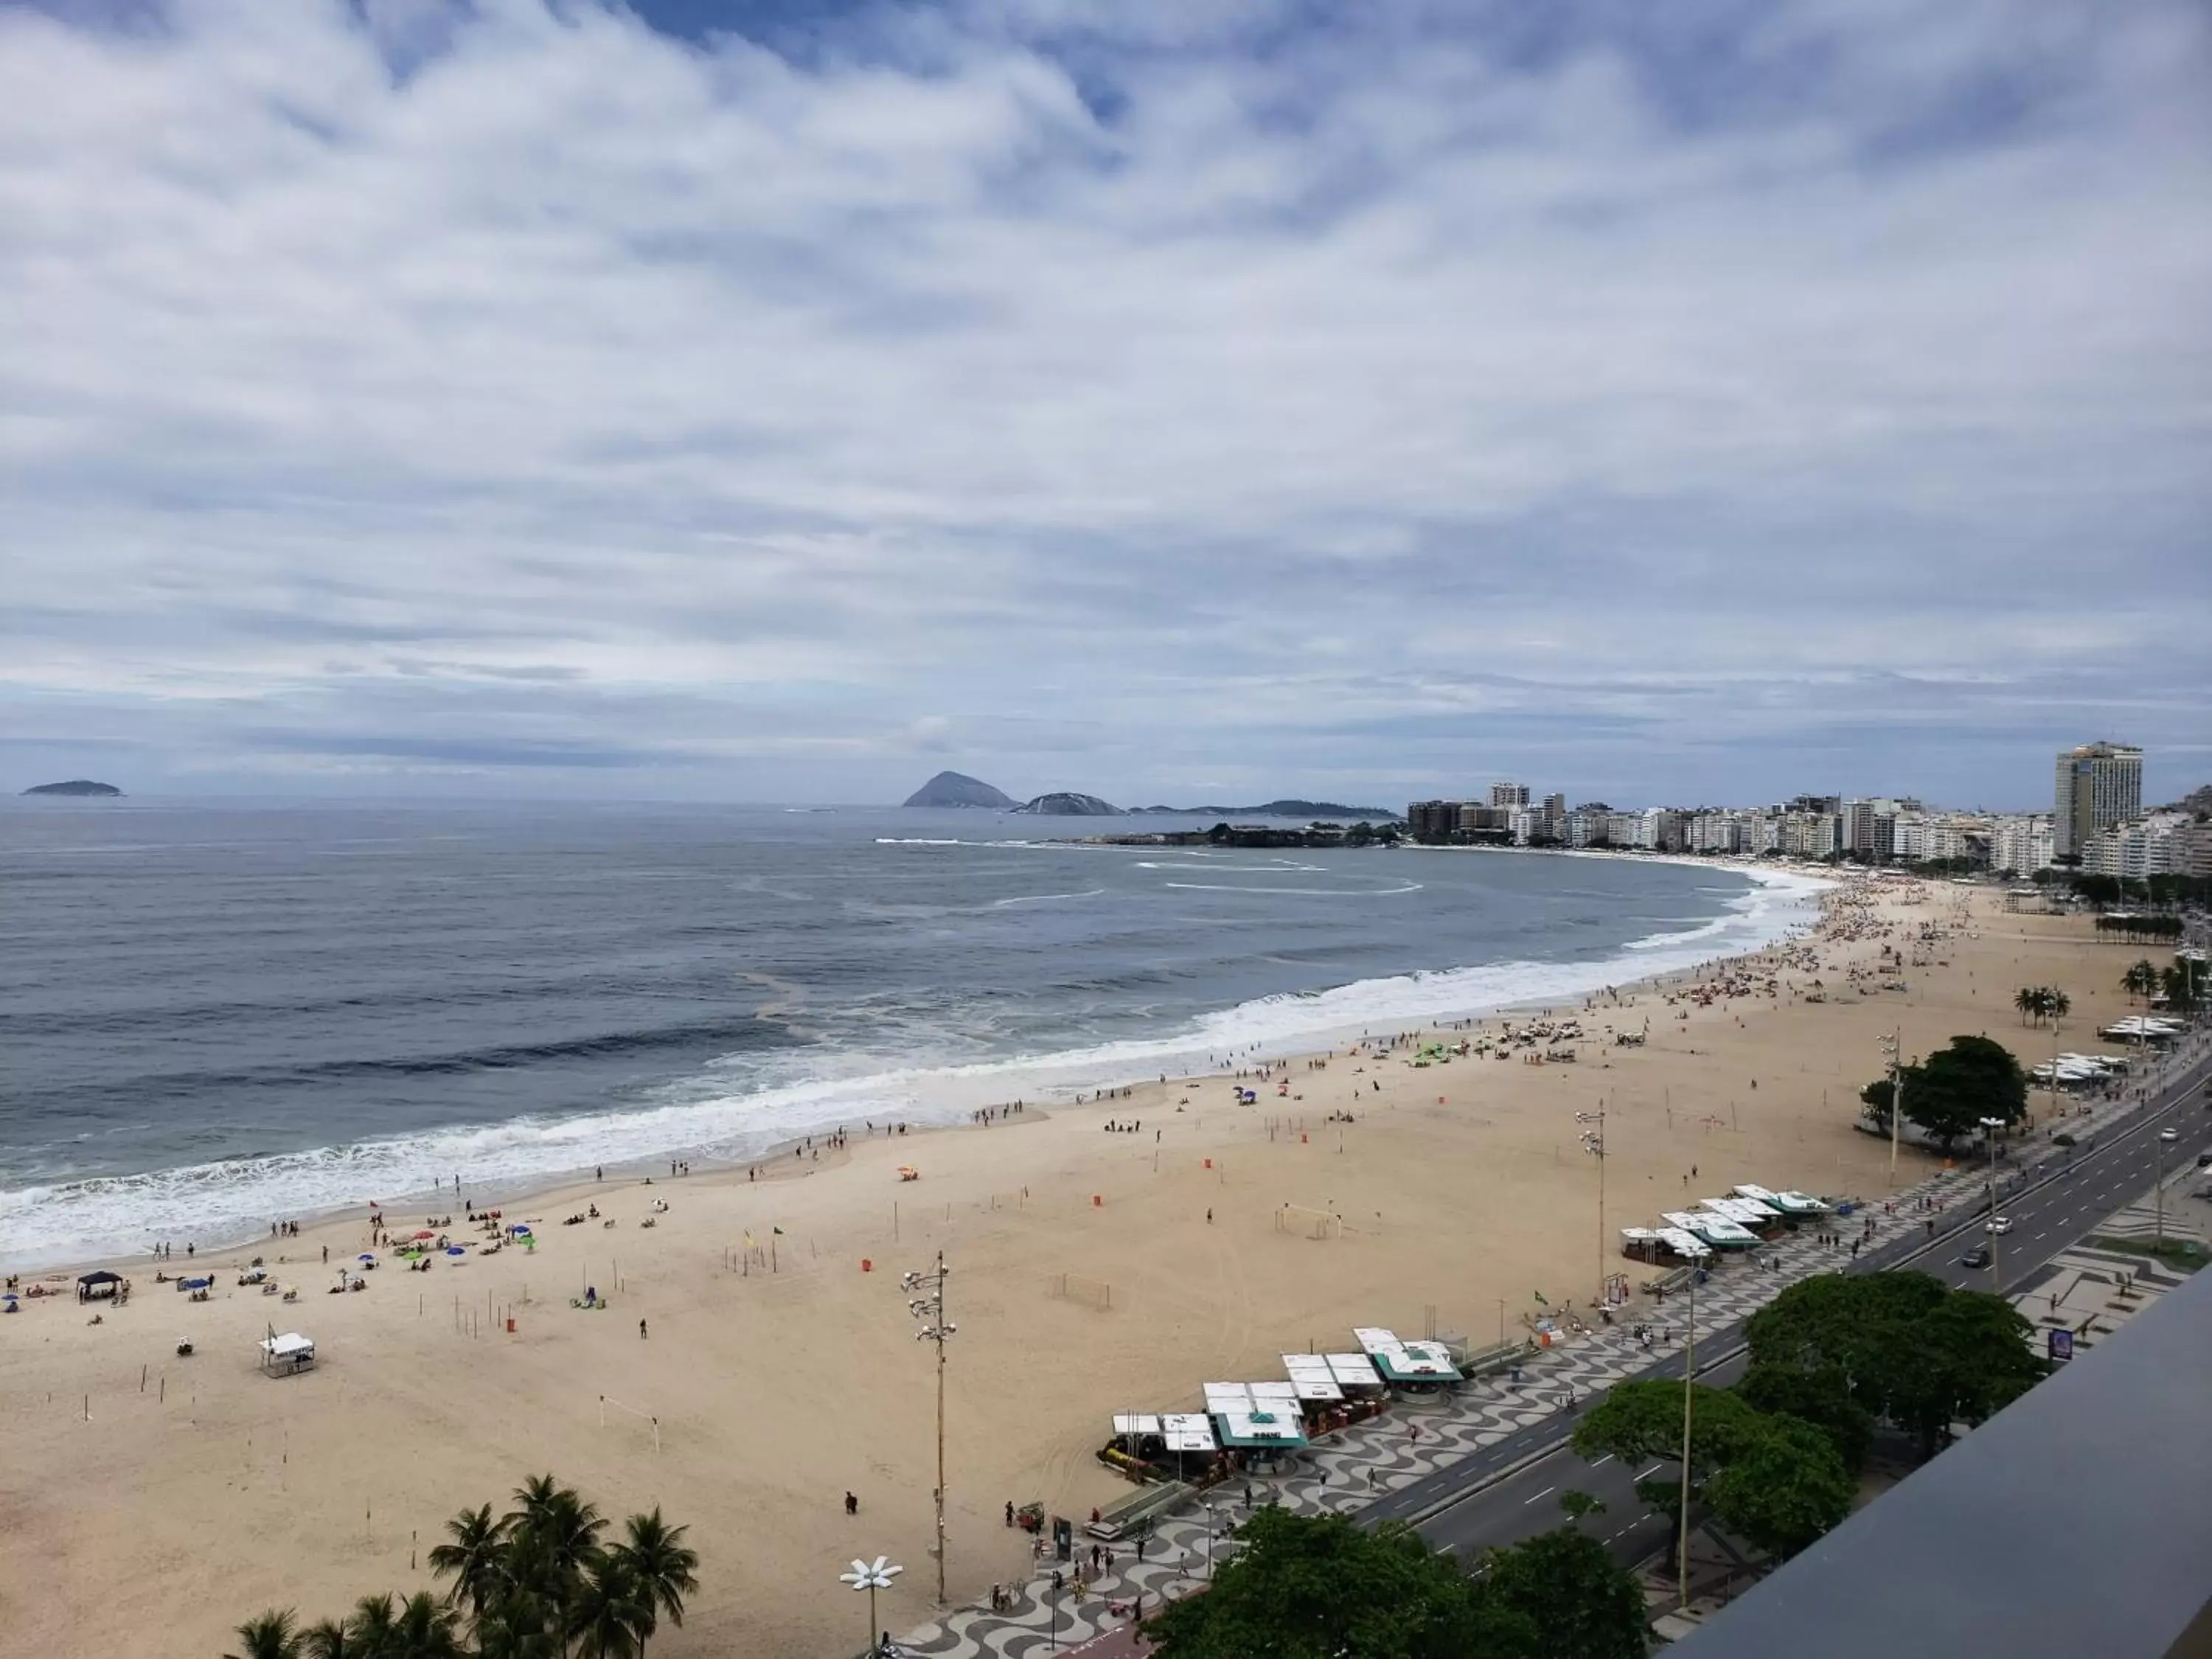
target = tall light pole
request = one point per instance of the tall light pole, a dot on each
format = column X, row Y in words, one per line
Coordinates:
column 1594, row 1144
column 1989, row 1128
column 1689, row 1379
column 929, row 1306
column 1895, row 1045
column 872, row 1575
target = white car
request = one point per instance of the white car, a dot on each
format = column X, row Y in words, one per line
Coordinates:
column 2169, row 1134
column 1998, row 1224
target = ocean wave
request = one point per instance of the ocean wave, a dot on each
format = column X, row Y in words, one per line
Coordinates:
column 740, row 1106
column 1300, row 892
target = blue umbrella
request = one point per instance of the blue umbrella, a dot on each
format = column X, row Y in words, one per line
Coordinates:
column 364, row 1256
column 455, row 1250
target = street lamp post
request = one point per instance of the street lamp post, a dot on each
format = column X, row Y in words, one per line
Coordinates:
column 929, row 1306
column 872, row 1575
column 1895, row 1045
column 1594, row 1144
column 1689, row 1379
column 1989, row 1128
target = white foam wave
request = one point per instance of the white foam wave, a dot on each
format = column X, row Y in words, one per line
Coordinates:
column 740, row 1110
column 1302, row 892
column 1044, row 898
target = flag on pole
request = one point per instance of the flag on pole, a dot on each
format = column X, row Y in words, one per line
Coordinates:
column 775, row 1230
column 1541, row 1302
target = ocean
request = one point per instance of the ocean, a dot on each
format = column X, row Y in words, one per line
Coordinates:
column 213, row 1016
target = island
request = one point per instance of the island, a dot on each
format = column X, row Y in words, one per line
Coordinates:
column 958, row 789
column 73, row 786
column 1065, row 804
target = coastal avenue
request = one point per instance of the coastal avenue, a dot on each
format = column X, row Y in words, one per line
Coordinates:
column 1454, row 1511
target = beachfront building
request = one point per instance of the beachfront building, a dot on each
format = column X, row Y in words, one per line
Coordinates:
column 2160, row 844
column 1509, row 795
column 2095, row 785
column 1555, row 816
column 2022, row 843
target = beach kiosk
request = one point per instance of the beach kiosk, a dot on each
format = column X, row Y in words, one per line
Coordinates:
column 1714, row 1229
column 280, row 1356
column 1260, row 1420
column 1416, row 1365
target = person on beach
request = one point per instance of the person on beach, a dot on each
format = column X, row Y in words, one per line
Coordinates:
column 640, row 1330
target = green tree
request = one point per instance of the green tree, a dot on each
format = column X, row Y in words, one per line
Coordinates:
column 2186, row 984
column 1949, row 1093
column 1308, row 1587
column 2029, row 1000
column 1783, row 1488
column 1820, row 1395
column 326, row 1638
column 268, row 1635
column 372, row 1629
column 1567, row 1588
column 1639, row 1422
column 2140, row 980
column 660, row 1564
column 1580, row 1506
column 1908, row 1350
column 474, row 1558
column 424, row 1629
column 609, row 1613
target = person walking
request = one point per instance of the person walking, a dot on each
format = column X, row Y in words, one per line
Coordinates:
column 640, row 1330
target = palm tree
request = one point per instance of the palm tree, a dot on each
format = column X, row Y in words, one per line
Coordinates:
column 473, row 1558
column 664, row 1570
column 327, row 1640
column 372, row 1630
column 611, row 1612
column 269, row 1636
column 2140, row 980
column 553, row 1536
column 2057, row 1004
column 2029, row 1002
column 424, row 1630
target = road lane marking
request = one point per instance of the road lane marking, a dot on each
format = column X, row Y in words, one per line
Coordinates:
column 1546, row 1493
column 1607, row 1458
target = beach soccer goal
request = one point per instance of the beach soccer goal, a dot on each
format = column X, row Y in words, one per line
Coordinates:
column 1303, row 1222
column 1090, row 1292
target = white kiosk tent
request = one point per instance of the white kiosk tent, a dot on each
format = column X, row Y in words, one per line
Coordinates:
column 1405, row 1362
column 1790, row 1204
column 1309, row 1375
column 1715, row 1229
column 1180, row 1431
column 1744, row 1212
column 280, row 1356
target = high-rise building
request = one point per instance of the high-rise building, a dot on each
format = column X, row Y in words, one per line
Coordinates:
column 1509, row 795
column 2096, row 785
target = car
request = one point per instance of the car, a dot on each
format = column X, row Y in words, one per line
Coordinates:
column 2169, row 1134
column 1976, row 1257
column 1998, row 1224
column 2204, row 1160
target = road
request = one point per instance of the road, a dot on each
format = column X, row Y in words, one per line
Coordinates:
column 1453, row 1510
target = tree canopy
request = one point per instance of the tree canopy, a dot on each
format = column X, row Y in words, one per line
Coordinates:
column 1948, row 1094
column 1899, row 1347
column 1317, row 1587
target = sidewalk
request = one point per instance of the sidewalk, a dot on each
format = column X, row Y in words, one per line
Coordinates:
column 1344, row 1473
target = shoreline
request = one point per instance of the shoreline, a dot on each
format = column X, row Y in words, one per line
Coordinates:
column 772, row 1162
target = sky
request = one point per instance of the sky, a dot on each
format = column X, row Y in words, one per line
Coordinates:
column 1685, row 404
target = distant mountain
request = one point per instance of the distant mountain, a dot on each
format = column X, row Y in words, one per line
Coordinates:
column 1283, row 809
column 2198, row 801
column 1065, row 804
column 73, row 786
column 958, row 789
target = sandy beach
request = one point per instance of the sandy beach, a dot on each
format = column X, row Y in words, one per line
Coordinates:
column 149, row 1501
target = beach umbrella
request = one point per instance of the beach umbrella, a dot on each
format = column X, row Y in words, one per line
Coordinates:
column 426, row 1233
column 364, row 1256
column 455, row 1250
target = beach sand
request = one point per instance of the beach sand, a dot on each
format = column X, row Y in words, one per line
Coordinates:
column 184, row 1503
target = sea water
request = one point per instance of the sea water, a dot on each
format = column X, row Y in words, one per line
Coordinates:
column 214, row 1015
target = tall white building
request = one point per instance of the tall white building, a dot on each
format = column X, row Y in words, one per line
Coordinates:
column 2021, row 844
column 2096, row 785
column 1509, row 795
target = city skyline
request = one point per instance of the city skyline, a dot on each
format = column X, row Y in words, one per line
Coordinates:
column 779, row 403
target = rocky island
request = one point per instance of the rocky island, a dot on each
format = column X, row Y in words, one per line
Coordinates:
column 1065, row 804
column 73, row 786
column 958, row 789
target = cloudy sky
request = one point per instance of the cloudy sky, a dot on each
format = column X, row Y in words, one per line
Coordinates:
column 717, row 400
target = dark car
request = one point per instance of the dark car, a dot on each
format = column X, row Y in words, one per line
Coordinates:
column 1976, row 1257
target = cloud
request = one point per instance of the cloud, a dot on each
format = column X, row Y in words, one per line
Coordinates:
column 1687, row 402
